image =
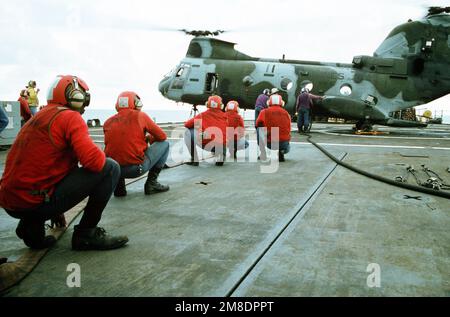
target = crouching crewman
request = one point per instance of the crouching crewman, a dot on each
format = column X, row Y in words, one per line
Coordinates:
column 235, row 129
column 42, row 179
column 127, row 138
column 277, row 121
column 208, row 130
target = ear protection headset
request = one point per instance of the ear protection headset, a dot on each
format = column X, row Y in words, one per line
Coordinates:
column 137, row 102
column 75, row 96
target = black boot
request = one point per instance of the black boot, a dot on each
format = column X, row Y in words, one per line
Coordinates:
column 95, row 239
column 281, row 156
column 151, row 185
column 220, row 160
column 33, row 234
column 194, row 156
column 120, row 190
column 192, row 162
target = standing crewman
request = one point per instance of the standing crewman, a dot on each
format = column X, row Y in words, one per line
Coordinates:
column 260, row 105
column 207, row 130
column 127, row 138
column 25, row 111
column 42, row 177
column 303, row 107
column 4, row 121
column 261, row 102
column 276, row 118
column 235, row 129
column 33, row 100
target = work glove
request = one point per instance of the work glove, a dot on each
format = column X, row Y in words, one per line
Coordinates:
column 58, row 221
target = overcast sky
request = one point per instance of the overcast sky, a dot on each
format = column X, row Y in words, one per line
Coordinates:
column 126, row 45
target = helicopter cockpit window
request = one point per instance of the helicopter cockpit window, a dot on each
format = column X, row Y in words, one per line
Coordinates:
column 308, row 85
column 181, row 73
column 346, row 90
column 248, row 81
column 396, row 45
column 169, row 74
column 286, row 84
column 182, row 70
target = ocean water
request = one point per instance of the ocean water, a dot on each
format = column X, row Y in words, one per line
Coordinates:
column 164, row 116
column 159, row 116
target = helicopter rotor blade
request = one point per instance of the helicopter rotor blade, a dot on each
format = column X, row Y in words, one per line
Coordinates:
column 432, row 10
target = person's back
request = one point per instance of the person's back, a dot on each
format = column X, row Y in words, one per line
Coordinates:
column 33, row 101
column 304, row 101
column 42, row 179
column 303, row 107
column 235, row 129
column 208, row 130
column 276, row 117
column 127, row 138
column 212, row 119
column 260, row 105
column 261, row 100
column 277, row 121
column 124, row 137
column 46, row 142
column 236, row 122
column 25, row 111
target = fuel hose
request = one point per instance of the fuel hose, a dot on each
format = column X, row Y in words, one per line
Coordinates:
column 416, row 188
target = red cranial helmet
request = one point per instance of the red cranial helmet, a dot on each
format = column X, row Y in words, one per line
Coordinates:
column 69, row 91
column 232, row 106
column 214, row 102
column 275, row 100
column 128, row 100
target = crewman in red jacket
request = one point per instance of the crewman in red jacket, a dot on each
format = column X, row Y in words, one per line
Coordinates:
column 277, row 121
column 127, row 138
column 235, row 129
column 208, row 130
column 25, row 111
column 42, row 179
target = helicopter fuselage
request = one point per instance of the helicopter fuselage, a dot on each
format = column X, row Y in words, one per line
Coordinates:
column 407, row 70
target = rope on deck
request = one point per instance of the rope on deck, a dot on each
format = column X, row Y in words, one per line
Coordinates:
column 11, row 273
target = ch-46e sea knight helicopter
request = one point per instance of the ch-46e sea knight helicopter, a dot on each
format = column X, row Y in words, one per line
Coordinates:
column 409, row 68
